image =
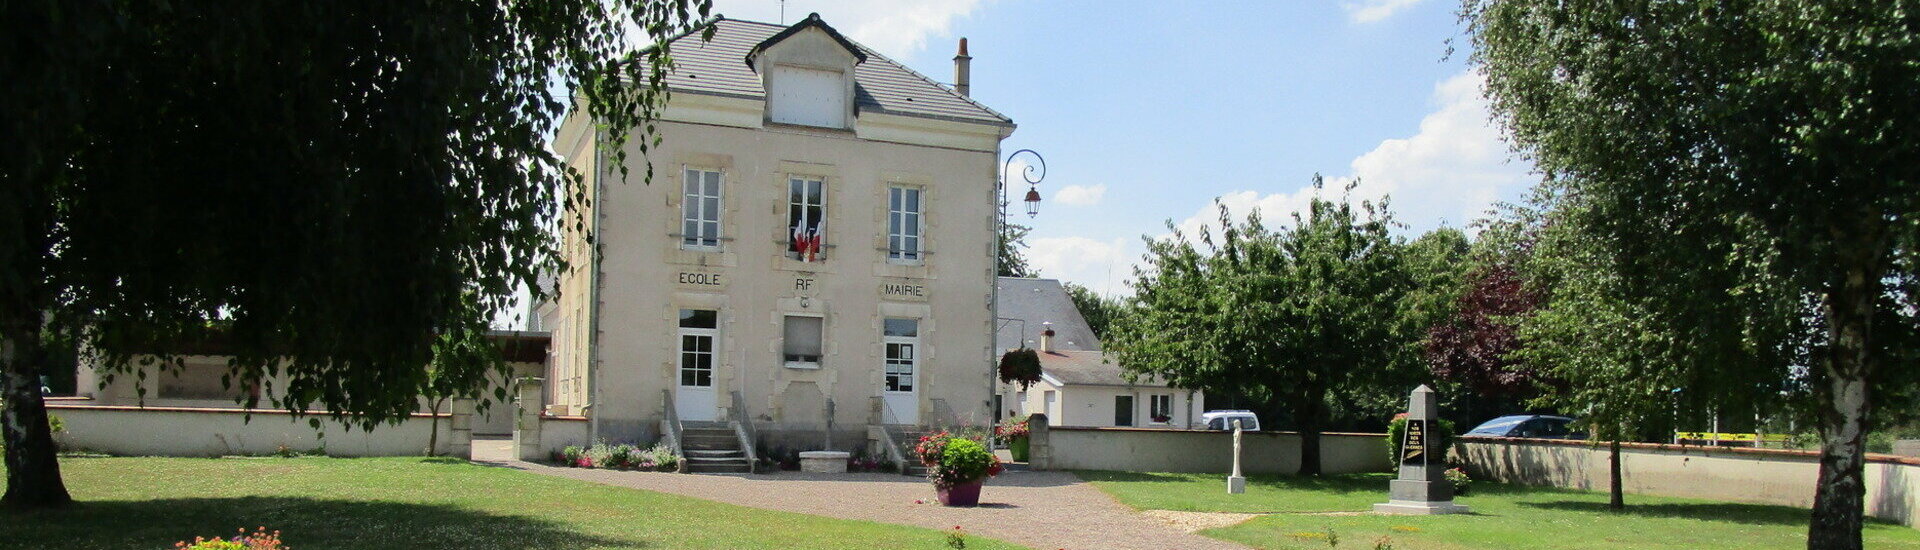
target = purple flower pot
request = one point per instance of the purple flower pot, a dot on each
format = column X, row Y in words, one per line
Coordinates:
column 965, row 494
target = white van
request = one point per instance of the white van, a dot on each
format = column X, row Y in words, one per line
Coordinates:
column 1223, row 420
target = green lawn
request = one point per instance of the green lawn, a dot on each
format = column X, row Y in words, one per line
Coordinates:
column 410, row 503
column 1505, row 516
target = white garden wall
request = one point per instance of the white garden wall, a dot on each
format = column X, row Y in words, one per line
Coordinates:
column 180, row 431
column 1173, row 450
column 1759, row 476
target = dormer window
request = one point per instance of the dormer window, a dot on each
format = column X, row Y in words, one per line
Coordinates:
column 807, row 96
column 807, row 73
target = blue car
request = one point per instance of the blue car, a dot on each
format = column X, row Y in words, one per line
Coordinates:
column 1536, row 426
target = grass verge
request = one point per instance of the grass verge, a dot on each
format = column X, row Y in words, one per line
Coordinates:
column 412, row 503
column 1311, row 513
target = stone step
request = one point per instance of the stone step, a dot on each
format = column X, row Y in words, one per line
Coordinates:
column 715, row 453
column 715, row 432
column 720, row 448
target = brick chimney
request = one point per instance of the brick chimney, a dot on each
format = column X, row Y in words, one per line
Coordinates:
column 963, row 70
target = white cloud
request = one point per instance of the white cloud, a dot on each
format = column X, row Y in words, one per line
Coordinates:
column 1104, row 266
column 1081, row 195
column 1368, row 11
column 896, row 28
column 1450, row 172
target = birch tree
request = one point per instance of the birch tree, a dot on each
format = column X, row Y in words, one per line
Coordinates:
column 1746, row 165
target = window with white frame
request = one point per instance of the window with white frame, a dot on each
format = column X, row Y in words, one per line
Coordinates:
column 903, row 224
column 902, row 339
column 700, row 210
column 699, row 328
column 806, row 218
column 1160, row 408
column 801, row 342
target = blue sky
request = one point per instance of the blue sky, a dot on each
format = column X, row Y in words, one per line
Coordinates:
column 1148, row 111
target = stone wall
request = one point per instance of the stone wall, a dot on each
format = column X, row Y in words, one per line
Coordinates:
column 1173, row 450
column 198, row 432
column 1759, row 476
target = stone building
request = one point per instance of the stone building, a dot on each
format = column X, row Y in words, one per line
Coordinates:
column 814, row 253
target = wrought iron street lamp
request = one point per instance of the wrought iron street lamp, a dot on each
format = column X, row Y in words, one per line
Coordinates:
column 1028, row 173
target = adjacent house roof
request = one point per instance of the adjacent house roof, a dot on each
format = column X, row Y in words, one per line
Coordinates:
column 881, row 85
column 1086, row 368
column 1037, row 301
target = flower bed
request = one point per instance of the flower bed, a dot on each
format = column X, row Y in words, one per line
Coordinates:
column 659, row 457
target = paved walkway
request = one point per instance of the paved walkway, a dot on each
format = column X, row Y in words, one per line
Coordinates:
column 1044, row 510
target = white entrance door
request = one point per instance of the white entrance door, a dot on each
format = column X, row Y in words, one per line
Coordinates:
column 901, row 397
column 699, row 331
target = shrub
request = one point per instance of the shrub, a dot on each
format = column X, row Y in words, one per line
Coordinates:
column 260, row 539
column 931, row 446
column 661, row 458
column 1013, row 428
column 600, row 455
column 55, row 423
column 963, row 461
column 572, row 455
column 1459, row 479
column 1439, row 438
column 620, row 456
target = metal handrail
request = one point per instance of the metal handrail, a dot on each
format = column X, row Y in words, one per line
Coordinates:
column 670, row 429
column 891, row 442
column 743, row 430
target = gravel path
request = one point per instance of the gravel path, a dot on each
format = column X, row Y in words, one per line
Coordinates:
column 1039, row 509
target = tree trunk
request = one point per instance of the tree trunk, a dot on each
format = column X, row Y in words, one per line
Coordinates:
column 433, row 429
column 33, row 466
column 1307, row 413
column 1839, row 499
column 1617, row 500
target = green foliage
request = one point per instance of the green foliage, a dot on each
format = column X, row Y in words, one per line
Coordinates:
column 1459, row 479
column 1099, row 311
column 1309, row 317
column 1740, row 170
column 1437, row 265
column 56, row 424
column 964, row 461
column 1013, row 262
column 1439, row 438
column 316, row 190
column 1020, row 366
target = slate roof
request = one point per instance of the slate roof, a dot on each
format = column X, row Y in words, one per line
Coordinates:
column 1088, row 368
column 1040, row 301
column 881, row 85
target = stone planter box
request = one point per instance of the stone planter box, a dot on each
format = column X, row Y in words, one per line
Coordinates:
column 824, row 462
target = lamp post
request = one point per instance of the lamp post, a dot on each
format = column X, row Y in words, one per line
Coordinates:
column 999, row 240
column 1026, row 173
